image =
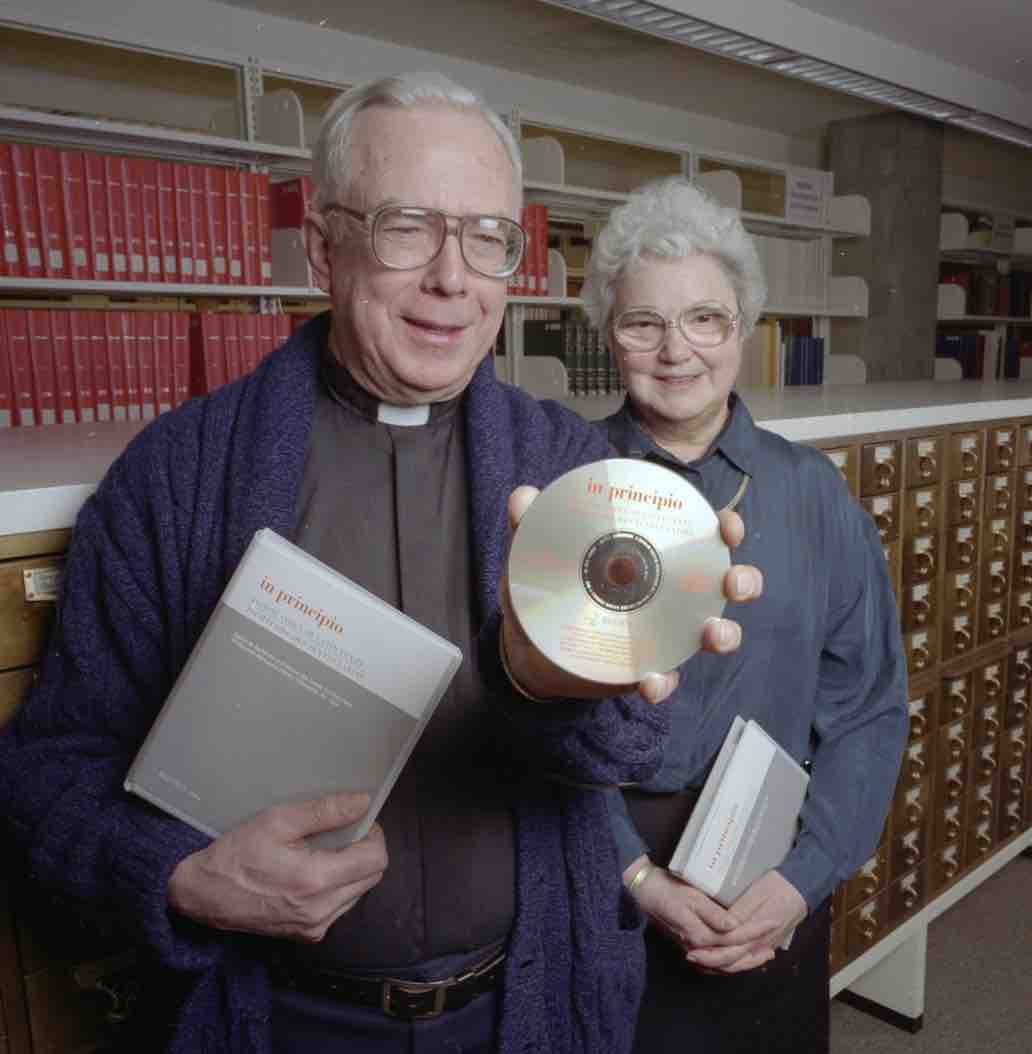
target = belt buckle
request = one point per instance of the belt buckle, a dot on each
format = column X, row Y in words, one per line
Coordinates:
column 413, row 988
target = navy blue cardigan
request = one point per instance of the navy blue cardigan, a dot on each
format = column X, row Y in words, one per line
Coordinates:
column 152, row 550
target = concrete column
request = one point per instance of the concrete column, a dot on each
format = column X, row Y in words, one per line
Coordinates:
column 895, row 161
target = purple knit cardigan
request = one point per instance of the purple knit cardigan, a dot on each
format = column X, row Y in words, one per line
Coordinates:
column 151, row 553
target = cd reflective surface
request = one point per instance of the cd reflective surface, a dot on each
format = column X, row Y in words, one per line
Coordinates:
column 614, row 569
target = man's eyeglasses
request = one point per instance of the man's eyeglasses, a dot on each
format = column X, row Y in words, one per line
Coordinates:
column 404, row 237
column 641, row 331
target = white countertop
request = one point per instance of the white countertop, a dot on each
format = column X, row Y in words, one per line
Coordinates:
column 47, row 473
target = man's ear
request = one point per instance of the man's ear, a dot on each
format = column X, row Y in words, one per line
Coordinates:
column 318, row 246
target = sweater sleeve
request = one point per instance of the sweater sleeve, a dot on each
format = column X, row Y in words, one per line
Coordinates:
column 64, row 756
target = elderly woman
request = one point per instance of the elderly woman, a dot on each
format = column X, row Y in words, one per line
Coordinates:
column 675, row 285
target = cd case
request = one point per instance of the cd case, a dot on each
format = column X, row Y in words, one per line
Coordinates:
column 746, row 818
column 302, row 683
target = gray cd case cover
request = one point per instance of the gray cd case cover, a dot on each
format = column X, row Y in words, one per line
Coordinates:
column 302, row 683
column 746, row 818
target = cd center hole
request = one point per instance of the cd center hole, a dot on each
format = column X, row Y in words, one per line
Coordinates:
column 621, row 570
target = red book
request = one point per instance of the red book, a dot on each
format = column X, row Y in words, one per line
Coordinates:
column 10, row 257
column 234, row 227
column 543, row 251
column 289, row 200
column 249, row 210
column 116, row 365
column 207, row 362
column 167, row 231
column 264, row 230
column 181, row 386
column 100, row 363
column 73, row 202
column 97, row 217
column 27, row 210
column 115, row 189
column 64, row 368
column 163, row 371
column 283, row 328
column 249, row 351
column 134, row 403
column 201, row 223
column 6, row 383
column 135, row 239
column 146, row 169
column 143, row 327
column 215, row 181
column 44, row 373
column 231, row 348
column 266, row 335
column 46, row 164
column 20, row 358
column 184, row 221
column 82, row 366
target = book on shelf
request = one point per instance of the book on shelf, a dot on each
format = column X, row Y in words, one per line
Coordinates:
column 301, row 684
column 747, row 816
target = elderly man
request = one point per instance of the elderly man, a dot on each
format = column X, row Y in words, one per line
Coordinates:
column 378, row 440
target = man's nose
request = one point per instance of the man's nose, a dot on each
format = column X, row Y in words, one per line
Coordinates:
column 446, row 273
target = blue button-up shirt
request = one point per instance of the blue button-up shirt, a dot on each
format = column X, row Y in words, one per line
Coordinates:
column 821, row 665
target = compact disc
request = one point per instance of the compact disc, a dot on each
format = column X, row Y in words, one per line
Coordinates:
column 615, row 567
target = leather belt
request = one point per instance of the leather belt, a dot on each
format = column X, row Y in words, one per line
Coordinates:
column 409, row 1000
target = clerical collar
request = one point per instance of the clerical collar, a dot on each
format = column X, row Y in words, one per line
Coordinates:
column 344, row 389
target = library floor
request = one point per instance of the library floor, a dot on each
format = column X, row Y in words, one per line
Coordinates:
column 978, row 995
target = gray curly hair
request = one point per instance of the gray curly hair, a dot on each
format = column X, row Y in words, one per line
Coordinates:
column 673, row 219
column 331, row 154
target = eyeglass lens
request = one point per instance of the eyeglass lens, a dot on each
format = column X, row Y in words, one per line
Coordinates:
column 408, row 237
column 704, row 326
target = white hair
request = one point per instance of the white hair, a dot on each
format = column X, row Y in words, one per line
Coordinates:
column 331, row 155
column 673, row 219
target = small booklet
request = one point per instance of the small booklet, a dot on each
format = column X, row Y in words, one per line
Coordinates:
column 746, row 818
column 302, row 683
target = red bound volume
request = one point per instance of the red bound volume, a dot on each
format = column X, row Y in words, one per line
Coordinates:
column 46, row 163
column 163, row 371
column 215, row 181
column 264, row 229
column 116, row 365
column 143, row 325
column 266, row 335
column 27, row 208
column 72, row 165
column 20, row 358
column 167, row 231
column 288, row 201
column 247, row 326
column 64, row 368
column 82, row 366
column 97, row 217
column 131, row 359
column 184, row 221
column 6, row 383
column 207, row 362
column 201, row 220
column 181, row 386
column 116, row 217
column 147, row 176
column 231, row 349
column 100, row 363
column 249, row 212
column 542, row 218
column 10, row 256
column 44, row 373
column 234, row 227
column 283, row 328
column 135, row 239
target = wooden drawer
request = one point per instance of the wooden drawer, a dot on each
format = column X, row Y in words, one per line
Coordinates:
column 922, row 649
column 951, row 779
column 865, row 924
column 963, row 501
column 1021, row 569
column 916, row 763
column 884, row 510
column 1023, row 488
column 998, row 494
column 14, row 686
column 962, row 547
column 1013, row 780
column 907, row 849
column 986, row 724
column 985, row 762
column 1012, row 818
column 879, row 468
column 1013, row 745
column 923, row 704
column 920, row 558
column 995, row 579
column 1020, row 609
column 893, row 559
column 944, row 865
column 954, row 741
column 922, row 510
column 847, row 460
column 979, row 841
column 24, row 623
column 958, row 634
column 1016, row 708
column 911, row 804
column 1001, row 448
column 868, row 880
column 1019, row 667
column 956, row 699
column 948, row 824
column 924, row 460
column 989, row 681
column 996, row 538
column 965, row 454
column 1023, row 529
column 992, row 621
column 906, row 895
column 919, row 608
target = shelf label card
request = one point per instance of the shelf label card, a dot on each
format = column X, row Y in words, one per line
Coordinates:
column 805, row 197
column 1002, row 239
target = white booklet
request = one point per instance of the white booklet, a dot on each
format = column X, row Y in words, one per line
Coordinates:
column 302, row 683
column 746, row 818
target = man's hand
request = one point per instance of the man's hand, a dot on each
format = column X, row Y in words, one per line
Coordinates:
column 541, row 677
column 684, row 913
column 763, row 916
column 263, row 878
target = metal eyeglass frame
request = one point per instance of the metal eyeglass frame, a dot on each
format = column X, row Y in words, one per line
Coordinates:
column 670, row 323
